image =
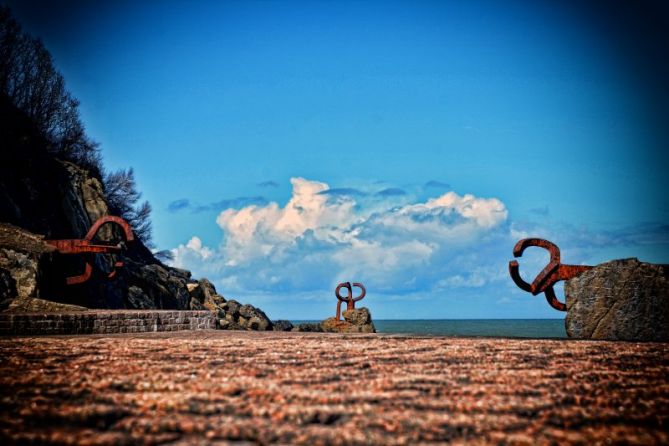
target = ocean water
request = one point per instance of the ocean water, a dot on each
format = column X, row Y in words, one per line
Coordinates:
column 512, row 328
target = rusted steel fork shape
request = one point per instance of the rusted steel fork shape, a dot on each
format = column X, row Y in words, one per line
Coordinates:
column 86, row 246
column 549, row 276
column 349, row 299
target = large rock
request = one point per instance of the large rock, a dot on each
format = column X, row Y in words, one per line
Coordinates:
column 253, row 318
column 230, row 310
column 334, row 325
column 358, row 320
column 161, row 287
column 358, row 316
column 36, row 305
column 244, row 317
column 7, row 289
column 308, row 327
column 619, row 300
column 21, row 255
column 230, row 314
column 20, row 273
column 282, row 325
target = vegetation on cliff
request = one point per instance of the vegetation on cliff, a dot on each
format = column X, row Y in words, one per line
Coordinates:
column 30, row 82
column 53, row 186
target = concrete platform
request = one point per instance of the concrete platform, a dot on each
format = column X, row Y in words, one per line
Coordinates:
column 227, row 387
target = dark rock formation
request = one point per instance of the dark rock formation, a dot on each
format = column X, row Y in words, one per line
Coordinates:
column 619, row 300
column 39, row 192
column 235, row 316
column 203, row 295
column 44, row 197
column 20, row 273
column 21, row 256
column 161, row 287
column 54, row 199
column 36, row 305
column 253, row 318
column 282, row 325
column 358, row 320
column 308, row 327
column 7, row 289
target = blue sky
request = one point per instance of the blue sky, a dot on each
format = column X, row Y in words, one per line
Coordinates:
column 287, row 146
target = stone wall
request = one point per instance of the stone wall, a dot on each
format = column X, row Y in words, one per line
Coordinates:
column 107, row 321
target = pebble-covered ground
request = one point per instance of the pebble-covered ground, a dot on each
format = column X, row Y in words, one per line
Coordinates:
column 218, row 387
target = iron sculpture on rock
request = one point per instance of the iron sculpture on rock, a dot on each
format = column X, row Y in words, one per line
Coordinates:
column 349, row 299
column 553, row 272
column 87, row 246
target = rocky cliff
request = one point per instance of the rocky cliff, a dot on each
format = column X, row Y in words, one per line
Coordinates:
column 42, row 197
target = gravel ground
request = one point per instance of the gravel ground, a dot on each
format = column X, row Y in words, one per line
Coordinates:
column 218, row 387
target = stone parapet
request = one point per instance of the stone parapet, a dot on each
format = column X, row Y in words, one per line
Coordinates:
column 104, row 321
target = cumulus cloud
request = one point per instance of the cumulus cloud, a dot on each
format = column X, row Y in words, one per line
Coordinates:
column 448, row 251
column 318, row 239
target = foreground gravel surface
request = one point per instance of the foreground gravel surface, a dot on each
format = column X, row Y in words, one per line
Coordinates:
column 300, row 388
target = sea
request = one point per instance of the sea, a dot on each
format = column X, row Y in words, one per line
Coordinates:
column 505, row 328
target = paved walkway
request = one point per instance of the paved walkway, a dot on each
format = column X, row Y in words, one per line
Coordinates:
column 326, row 389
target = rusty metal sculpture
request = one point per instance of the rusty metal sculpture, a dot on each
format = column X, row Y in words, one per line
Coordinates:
column 549, row 276
column 87, row 246
column 349, row 299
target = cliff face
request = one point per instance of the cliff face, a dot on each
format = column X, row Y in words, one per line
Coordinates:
column 44, row 197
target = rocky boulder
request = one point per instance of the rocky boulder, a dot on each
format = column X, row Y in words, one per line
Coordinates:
column 155, row 286
column 619, row 300
column 21, row 255
column 282, row 325
column 36, row 305
column 203, row 296
column 7, row 288
column 19, row 272
column 230, row 314
column 253, row 318
column 309, row 327
column 358, row 320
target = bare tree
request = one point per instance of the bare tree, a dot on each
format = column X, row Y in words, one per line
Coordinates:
column 33, row 84
column 123, row 200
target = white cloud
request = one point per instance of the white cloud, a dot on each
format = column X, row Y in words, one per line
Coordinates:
column 317, row 240
column 191, row 251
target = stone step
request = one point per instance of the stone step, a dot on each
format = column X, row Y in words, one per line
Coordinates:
column 104, row 321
